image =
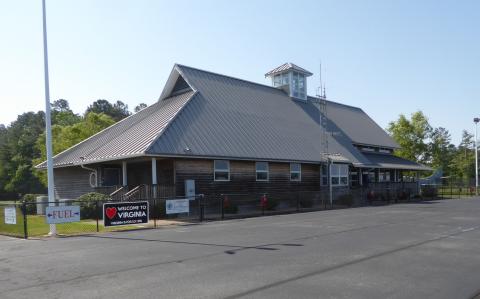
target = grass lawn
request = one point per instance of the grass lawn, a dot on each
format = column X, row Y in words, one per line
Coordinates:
column 36, row 226
column 455, row 191
column 11, row 229
column 2, row 202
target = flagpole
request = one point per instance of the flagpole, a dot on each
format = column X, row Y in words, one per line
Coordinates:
column 48, row 122
column 476, row 120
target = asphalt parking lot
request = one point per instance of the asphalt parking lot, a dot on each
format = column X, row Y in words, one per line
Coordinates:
column 419, row 250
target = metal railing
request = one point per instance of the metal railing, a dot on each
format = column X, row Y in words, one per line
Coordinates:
column 30, row 217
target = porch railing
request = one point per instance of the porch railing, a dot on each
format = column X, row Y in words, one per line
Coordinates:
column 107, row 190
column 391, row 190
column 143, row 191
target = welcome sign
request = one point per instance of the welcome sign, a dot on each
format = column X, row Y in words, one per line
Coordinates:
column 125, row 213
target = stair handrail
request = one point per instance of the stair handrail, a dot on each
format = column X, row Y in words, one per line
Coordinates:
column 117, row 191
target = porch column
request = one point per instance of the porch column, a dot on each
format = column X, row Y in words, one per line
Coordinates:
column 154, row 177
column 124, row 174
column 360, row 177
column 417, row 174
column 395, row 177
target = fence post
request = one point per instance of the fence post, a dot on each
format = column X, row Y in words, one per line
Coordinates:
column 97, row 212
column 451, row 189
column 155, row 213
column 201, row 206
column 222, row 207
column 331, row 199
column 24, row 212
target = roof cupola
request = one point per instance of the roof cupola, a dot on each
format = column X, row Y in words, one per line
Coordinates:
column 291, row 78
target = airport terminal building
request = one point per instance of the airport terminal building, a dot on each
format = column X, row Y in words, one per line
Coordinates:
column 218, row 134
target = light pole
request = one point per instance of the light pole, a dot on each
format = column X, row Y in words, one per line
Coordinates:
column 476, row 120
column 48, row 123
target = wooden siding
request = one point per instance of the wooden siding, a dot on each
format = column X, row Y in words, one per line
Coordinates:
column 243, row 178
column 71, row 182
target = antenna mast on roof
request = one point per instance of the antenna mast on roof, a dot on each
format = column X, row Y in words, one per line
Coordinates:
column 323, row 117
column 321, row 100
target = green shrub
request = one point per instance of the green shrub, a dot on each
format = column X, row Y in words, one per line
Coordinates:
column 89, row 203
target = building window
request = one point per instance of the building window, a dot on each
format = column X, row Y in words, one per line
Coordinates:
column 301, row 86
column 384, row 151
column 222, row 170
column 295, row 172
column 368, row 149
column 277, row 80
column 298, row 85
column 354, row 177
column 339, row 174
column 384, row 176
column 281, row 79
column 261, row 169
column 371, row 177
column 323, row 175
column 285, row 78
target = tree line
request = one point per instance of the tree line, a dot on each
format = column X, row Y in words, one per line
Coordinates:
column 421, row 142
column 22, row 143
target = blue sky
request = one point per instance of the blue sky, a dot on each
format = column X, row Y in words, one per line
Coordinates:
column 387, row 57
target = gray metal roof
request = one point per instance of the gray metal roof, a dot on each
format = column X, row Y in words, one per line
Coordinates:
column 225, row 117
column 358, row 126
column 389, row 161
column 288, row 66
column 128, row 138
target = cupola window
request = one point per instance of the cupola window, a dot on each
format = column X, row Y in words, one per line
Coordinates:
column 291, row 78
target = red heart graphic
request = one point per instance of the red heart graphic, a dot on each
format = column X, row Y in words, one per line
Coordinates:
column 111, row 212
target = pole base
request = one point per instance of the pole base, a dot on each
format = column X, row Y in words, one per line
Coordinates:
column 53, row 230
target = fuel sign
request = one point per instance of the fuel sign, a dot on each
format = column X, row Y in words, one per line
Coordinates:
column 62, row 214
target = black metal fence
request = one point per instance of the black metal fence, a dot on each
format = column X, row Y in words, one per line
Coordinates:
column 451, row 190
column 30, row 218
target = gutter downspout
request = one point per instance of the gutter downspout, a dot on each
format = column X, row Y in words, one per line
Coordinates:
column 93, row 172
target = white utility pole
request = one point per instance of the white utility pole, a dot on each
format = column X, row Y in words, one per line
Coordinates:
column 48, row 122
column 476, row 120
column 330, row 187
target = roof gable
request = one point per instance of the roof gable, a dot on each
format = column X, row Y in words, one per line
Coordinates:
column 235, row 118
column 129, row 137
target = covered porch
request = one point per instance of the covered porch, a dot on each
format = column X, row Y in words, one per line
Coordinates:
column 388, row 177
column 136, row 178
